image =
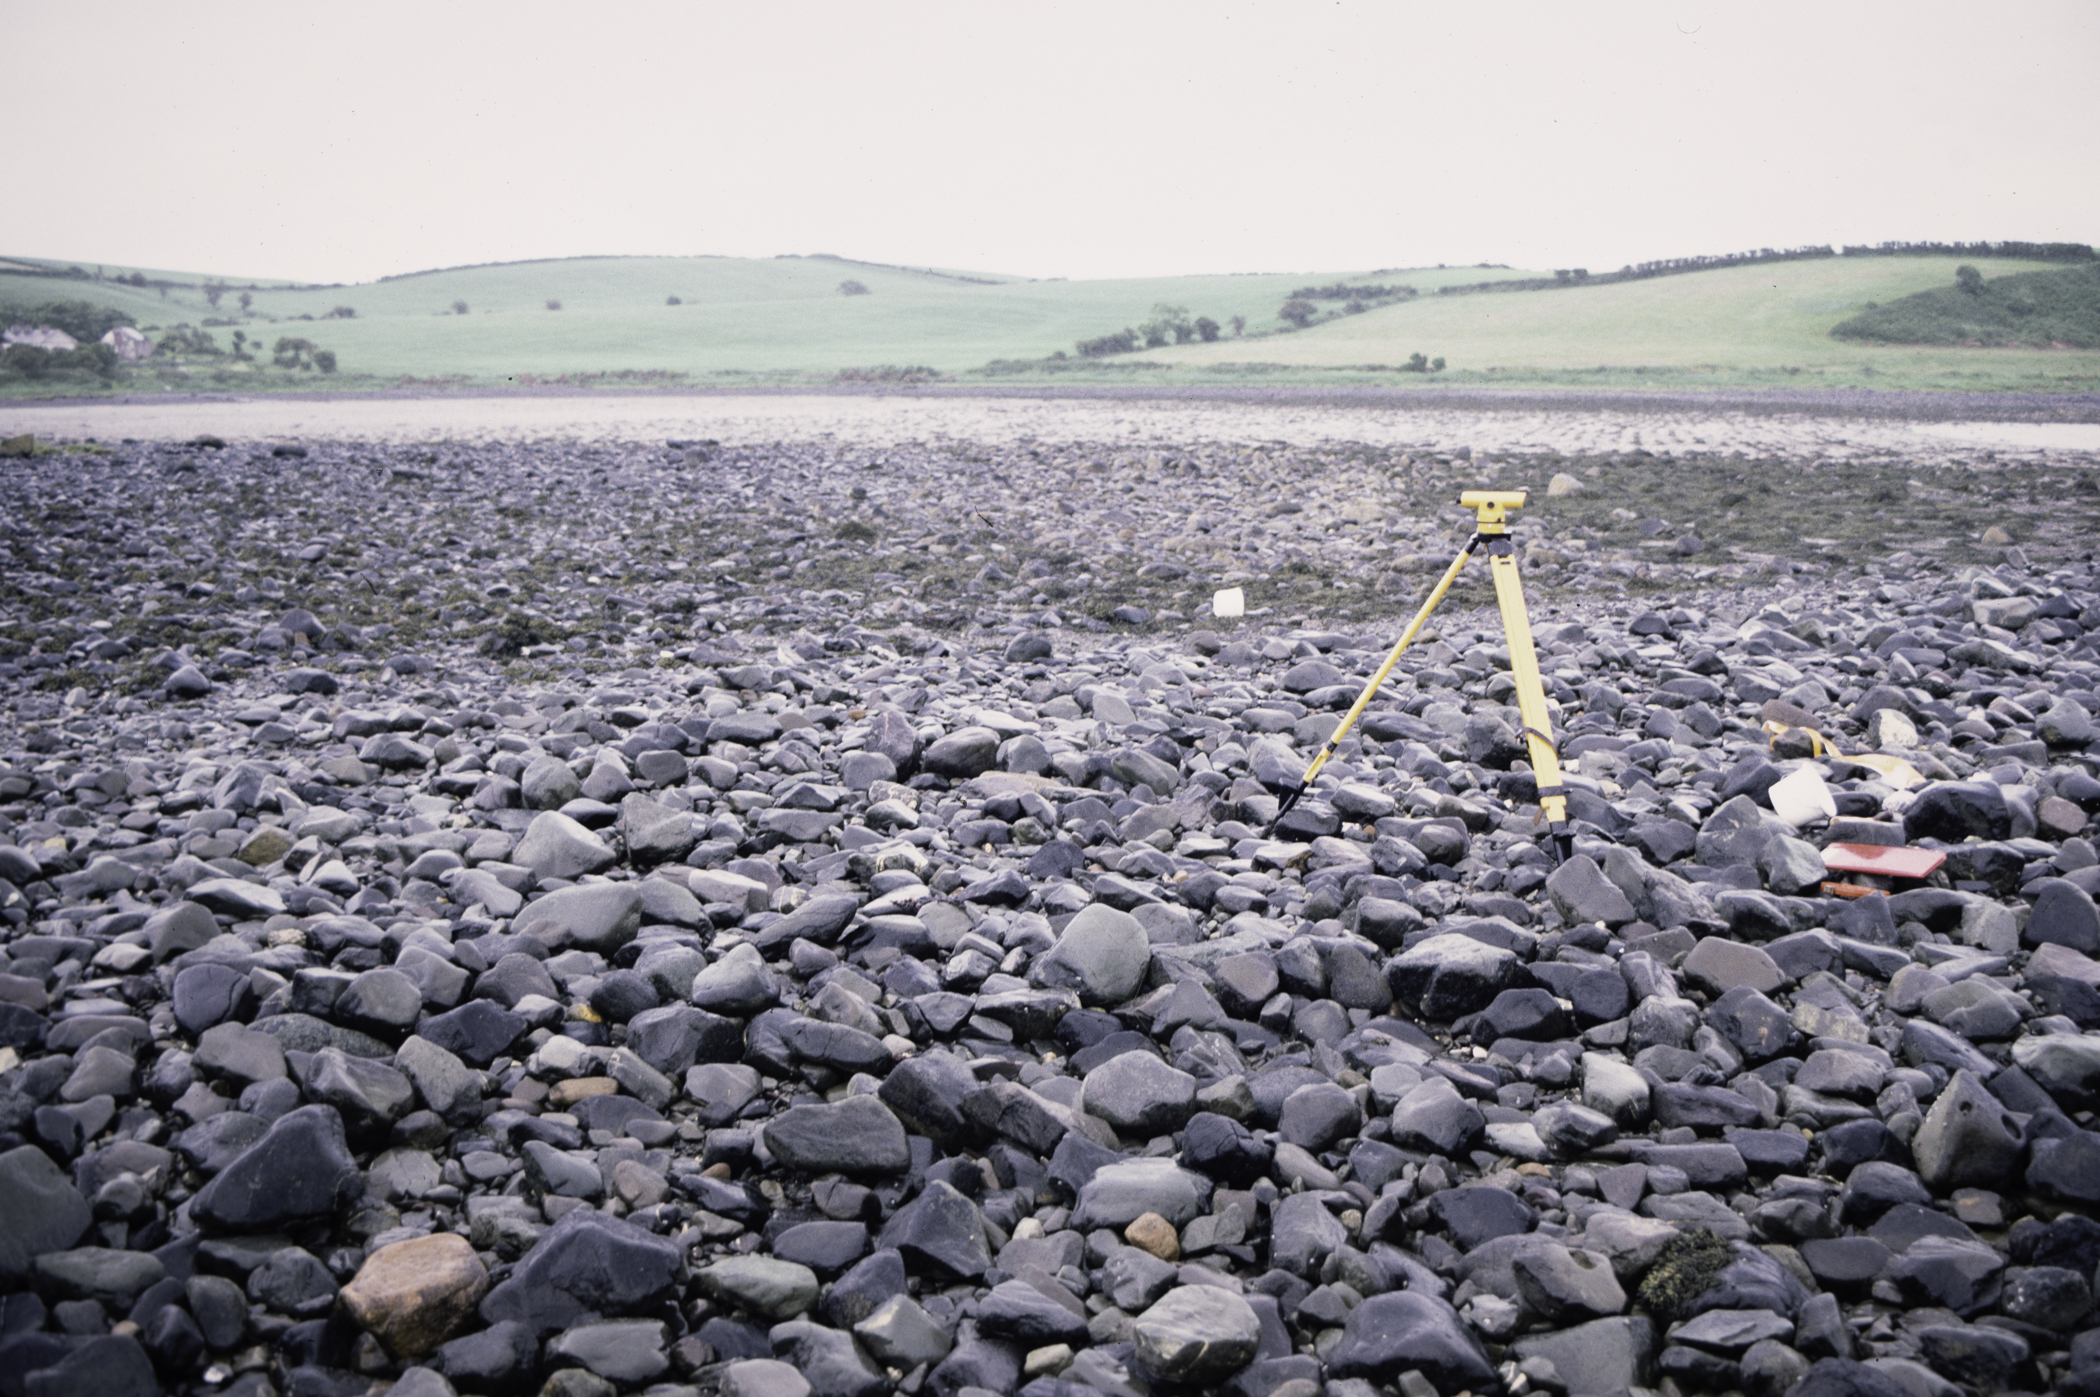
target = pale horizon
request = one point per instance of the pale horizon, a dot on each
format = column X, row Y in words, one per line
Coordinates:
column 1082, row 141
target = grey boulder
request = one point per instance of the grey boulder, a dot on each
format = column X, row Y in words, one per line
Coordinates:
column 598, row 917
column 1124, row 1191
column 1139, row 1094
column 299, row 1170
column 1103, row 956
column 40, row 1211
column 555, row 846
column 1197, row 1333
column 856, row 1136
column 1389, row 1334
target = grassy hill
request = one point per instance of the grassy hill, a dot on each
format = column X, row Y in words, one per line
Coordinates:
column 1734, row 327
column 743, row 321
column 772, row 317
column 2057, row 309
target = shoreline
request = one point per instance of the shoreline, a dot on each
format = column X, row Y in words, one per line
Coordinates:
column 1898, row 404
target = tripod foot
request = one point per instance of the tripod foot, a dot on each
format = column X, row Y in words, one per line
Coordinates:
column 1283, row 807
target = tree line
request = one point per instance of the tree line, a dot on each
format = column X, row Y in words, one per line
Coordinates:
column 1674, row 266
column 1168, row 325
column 2032, row 252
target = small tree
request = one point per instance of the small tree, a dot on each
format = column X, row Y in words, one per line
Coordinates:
column 1169, row 320
column 27, row 360
column 1206, row 329
column 1969, row 280
column 553, row 304
column 459, row 307
column 97, row 358
column 1121, row 342
column 324, row 360
column 853, row 288
column 246, row 301
column 673, row 301
column 1298, row 311
column 213, row 290
column 1238, row 324
column 187, row 339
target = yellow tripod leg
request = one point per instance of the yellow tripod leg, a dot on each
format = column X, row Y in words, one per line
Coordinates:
column 1491, row 508
column 1531, row 690
column 1363, row 700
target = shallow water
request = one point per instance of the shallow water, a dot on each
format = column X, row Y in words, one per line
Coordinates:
column 1576, row 429
column 2047, row 436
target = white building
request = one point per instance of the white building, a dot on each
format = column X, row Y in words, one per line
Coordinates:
column 131, row 346
column 42, row 336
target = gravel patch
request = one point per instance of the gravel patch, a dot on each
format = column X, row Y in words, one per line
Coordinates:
column 794, row 907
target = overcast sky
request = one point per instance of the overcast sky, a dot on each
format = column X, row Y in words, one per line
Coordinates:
column 344, row 142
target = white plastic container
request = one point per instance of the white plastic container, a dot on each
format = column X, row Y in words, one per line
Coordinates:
column 1229, row 603
column 1802, row 798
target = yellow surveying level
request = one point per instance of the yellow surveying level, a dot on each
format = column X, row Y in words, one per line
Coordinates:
column 1491, row 532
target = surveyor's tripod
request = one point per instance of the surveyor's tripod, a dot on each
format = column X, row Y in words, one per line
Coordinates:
column 1491, row 532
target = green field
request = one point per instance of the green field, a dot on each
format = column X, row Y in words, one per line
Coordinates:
column 2056, row 309
column 783, row 320
column 1738, row 326
column 750, row 316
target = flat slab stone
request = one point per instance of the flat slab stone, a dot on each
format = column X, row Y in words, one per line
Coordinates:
column 1731, row 1331
column 1718, row 965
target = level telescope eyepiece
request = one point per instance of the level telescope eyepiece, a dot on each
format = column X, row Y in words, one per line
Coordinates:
column 1492, row 507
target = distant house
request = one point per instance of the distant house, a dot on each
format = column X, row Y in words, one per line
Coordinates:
column 41, row 336
column 131, row 346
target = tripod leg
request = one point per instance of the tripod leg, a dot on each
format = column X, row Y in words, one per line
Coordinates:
column 1363, row 700
column 1531, row 694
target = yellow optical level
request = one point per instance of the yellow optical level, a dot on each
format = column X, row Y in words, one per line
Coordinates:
column 1493, row 506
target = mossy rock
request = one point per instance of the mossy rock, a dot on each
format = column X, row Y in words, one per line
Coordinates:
column 1687, row 1267
column 517, row 630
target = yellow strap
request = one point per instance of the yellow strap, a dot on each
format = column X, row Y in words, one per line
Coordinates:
column 1818, row 744
column 1898, row 772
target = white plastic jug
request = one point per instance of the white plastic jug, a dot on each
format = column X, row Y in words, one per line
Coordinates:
column 1801, row 798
